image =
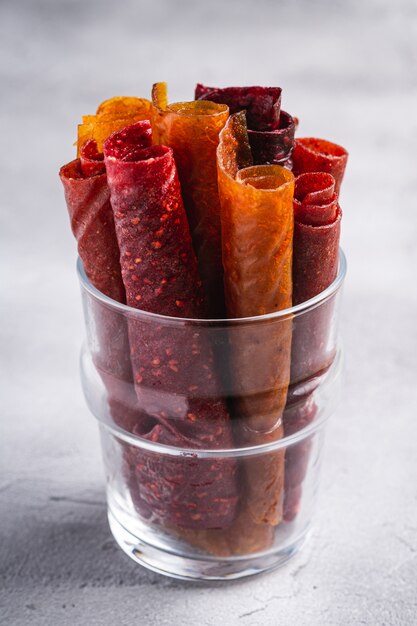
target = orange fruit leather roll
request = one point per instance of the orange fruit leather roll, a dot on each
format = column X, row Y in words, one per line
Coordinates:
column 112, row 115
column 192, row 130
column 257, row 237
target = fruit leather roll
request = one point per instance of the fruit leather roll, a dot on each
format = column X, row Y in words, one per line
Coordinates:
column 192, row 130
column 318, row 155
column 296, row 417
column 317, row 218
column 88, row 201
column 172, row 362
column 257, row 233
column 112, row 115
column 270, row 130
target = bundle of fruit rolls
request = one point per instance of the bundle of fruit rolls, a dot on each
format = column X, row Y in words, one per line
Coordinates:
column 270, row 130
column 192, row 213
column 159, row 272
column 192, row 130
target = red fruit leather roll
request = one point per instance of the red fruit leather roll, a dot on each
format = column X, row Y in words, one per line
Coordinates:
column 296, row 417
column 318, row 155
column 270, row 130
column 317, row 218
column 172, row 363
column 88, row 201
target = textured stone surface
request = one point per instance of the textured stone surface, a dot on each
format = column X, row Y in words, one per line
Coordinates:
column 349, row 71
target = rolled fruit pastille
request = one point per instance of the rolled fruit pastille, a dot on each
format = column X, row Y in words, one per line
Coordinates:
column 88, row 201
column 172, row 363
column 270, row 130
column 317, row 218
column 112, row 115
column 319, row 155
column 257, row 223
column 192, row 130
column 257, row 232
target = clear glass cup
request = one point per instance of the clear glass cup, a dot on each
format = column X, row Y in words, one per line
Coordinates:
column 211, row 430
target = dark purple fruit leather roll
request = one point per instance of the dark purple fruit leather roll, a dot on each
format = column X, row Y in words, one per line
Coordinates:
column 270, row 130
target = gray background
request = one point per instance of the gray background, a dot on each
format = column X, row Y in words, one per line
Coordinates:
column 349, row 72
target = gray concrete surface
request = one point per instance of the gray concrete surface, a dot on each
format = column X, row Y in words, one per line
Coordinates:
column 349, row 72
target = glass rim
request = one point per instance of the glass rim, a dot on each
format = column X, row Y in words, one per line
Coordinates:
column 290, row 312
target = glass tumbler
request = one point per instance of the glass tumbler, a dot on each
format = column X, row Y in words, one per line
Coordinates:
column 211, row 430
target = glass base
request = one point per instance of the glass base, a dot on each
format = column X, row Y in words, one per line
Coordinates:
column 200, row 567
